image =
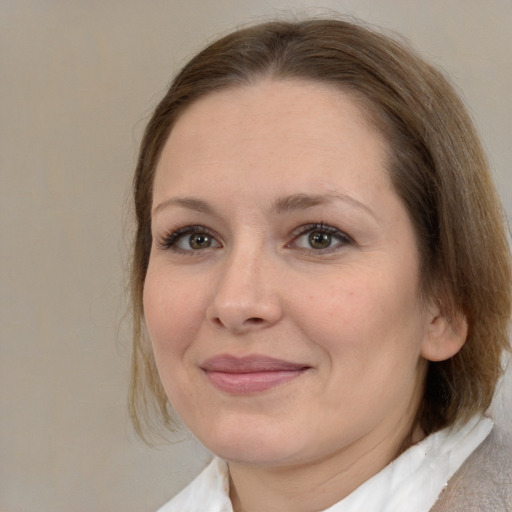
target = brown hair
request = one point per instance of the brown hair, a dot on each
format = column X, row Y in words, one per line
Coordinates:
column 436, row 163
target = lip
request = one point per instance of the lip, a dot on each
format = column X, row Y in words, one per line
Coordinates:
column 250, row 374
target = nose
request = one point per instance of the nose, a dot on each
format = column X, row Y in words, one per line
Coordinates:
column 245, row 296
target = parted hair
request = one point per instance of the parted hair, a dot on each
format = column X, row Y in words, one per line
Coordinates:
column 435, row 161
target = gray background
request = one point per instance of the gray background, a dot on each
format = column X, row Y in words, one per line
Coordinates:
column 78, row 80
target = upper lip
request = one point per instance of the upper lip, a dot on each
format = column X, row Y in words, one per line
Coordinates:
column 249, row 364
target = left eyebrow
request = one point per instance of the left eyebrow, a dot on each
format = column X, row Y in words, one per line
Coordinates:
column 304, row 201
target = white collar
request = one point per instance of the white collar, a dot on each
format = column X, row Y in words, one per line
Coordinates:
column 411, row 483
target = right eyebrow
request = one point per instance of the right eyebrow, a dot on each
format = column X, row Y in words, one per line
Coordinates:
column 191, row 203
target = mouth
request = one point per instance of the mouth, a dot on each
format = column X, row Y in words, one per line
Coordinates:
column 252, row 374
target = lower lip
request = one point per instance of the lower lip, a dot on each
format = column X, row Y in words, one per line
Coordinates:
column 253, row 382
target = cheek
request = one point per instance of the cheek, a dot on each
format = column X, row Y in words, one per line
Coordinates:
column 173, row 316
column 171, row 313
column 370, row 331
column 362, row 311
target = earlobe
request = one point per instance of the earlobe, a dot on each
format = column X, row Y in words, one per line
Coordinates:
column 445, row 336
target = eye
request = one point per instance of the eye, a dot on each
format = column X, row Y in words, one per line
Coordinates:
column 320, row 238
column 190, row 239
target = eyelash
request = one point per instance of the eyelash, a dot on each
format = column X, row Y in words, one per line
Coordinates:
column 170, row 241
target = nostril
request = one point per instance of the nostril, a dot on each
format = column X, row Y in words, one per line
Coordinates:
column 217, row 321
column 255, row 320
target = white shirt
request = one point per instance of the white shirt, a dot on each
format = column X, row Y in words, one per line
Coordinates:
column 411, row 483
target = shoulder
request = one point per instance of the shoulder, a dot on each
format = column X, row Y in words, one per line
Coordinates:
column 484, row 482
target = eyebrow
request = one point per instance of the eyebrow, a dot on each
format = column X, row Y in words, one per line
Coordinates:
column 281, row 206
column 304, row 201
column 190, row 203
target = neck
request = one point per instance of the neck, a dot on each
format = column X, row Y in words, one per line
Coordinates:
column 315, row 485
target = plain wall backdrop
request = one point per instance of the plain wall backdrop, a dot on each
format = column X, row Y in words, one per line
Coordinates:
column 78, row 81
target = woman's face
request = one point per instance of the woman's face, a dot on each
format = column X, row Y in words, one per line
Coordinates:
column 282, row 296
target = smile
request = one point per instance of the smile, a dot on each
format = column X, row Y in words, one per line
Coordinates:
column 251, row 374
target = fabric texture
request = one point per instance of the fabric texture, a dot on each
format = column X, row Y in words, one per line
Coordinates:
column 411, row 483
column 484, row 481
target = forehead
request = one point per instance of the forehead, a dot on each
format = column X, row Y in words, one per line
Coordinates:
column 281, row 131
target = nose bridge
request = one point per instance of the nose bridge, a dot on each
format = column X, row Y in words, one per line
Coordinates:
column 245, row 296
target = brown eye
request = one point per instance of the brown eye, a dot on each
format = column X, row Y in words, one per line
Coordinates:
column 319, row 240
column 200, row 241
column 190, row 239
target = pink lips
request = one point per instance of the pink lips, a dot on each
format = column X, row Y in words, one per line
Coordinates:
column 250, row 374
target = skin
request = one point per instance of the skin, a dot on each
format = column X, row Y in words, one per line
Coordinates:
column 351, row 313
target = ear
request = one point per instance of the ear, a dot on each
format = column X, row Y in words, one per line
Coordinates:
column 445, row 335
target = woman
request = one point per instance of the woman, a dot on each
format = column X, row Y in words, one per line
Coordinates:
column 322, row 268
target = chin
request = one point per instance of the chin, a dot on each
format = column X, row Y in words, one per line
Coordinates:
column 252, row 443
